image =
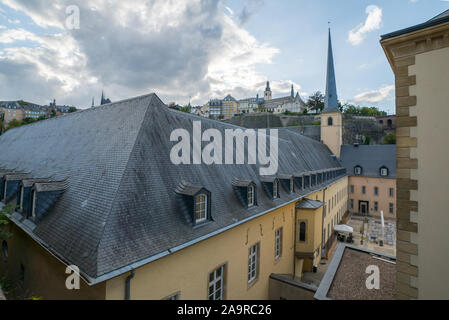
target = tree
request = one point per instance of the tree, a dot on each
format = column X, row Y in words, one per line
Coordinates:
column 390, row 139
column 14, row 123
column 72, row 109
column 362, row 111
column 5, row 221
column 316, row 102
column 185, row 109
column 28, row 120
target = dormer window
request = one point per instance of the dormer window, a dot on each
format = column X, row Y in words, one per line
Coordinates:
column 271, row 186
column 196, row 203
column 250, row 196
column 384, row 172
column 245, row 191
column 288, row 182
column 200, row 208
column 358, row 170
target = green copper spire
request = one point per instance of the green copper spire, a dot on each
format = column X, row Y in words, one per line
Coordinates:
column 331, row 102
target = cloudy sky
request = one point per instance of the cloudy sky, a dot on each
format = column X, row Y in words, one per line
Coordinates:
column 198, row 49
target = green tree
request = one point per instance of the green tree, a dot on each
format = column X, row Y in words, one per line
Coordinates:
column 185, row 109
column 28, row 121
column 72, row 109
column 390, row 139
column 316, row 102
column 14, row 123
column 367, row 140
column 4, row 221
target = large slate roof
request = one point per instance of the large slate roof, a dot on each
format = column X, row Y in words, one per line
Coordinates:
column 370, row 157
column 120, row 204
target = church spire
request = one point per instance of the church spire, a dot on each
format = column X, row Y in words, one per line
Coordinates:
column 331, row 100
column 293, row 92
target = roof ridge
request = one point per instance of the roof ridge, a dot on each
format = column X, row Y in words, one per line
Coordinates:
column 97, row 108
column 123, row 176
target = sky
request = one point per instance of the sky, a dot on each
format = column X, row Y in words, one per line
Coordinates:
column 195, row 50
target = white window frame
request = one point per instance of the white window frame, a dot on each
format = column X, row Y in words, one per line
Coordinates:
column 358, row 171
column 200, row 208
column 384, row 172
column 175, row 296
column 22, row 190
column 278, row 244
column 275, row 189
column 253, row 263
column 216, row 284
column 251, row 196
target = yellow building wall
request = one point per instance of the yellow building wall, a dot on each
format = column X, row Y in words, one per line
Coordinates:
column 187, row 271
column 335, row 209
column 383, row 199
column 432, row 110
column 44, row 275
column 332, row 136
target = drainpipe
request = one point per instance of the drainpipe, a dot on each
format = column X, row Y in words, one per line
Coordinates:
column 294, row 246
column 322, row 222
column 128, row 285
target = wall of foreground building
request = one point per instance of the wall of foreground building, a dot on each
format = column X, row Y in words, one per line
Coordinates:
column 419, row 61
column 432, row 92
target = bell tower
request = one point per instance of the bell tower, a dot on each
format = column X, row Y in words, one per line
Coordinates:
column 331, row 117
column 267, row 93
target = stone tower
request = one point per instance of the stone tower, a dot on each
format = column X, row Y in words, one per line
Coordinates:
column 267, row 94
column 331, row 117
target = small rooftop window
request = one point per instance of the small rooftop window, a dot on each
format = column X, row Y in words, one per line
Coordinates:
column 358, row 170
column 384, row 172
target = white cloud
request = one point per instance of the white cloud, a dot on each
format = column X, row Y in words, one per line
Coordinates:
column 372, row 22
column 375, row 96
column 178, row 49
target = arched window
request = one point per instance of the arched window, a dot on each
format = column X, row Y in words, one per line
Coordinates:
column 200, row 208
column 302, row 231
column 330, row 121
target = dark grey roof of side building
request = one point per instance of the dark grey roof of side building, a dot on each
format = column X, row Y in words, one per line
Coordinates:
column 120, row 205
column 370, row 157
column 439, row 19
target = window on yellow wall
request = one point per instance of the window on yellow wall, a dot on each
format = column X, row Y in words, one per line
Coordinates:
column 253, row 263
column 302, row 231
column 278, row 244
column 216, row 284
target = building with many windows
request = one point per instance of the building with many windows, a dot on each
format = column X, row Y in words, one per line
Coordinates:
column 372, row 179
